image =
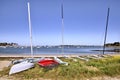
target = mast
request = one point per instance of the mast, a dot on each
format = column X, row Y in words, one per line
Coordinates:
column 62, row 28
column 30, row 29
column 106, row 30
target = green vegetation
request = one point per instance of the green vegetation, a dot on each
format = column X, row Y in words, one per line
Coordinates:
column 113, row 44
column 76, row 70
column 8, row 44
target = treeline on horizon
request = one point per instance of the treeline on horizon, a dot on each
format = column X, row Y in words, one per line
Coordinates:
column 16, row 44
column 113, row 44
column 8, row 44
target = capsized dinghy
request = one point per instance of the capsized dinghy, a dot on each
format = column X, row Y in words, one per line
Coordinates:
column 47, row 62
column 21, row 67
column 82, row 58
column 60, row 61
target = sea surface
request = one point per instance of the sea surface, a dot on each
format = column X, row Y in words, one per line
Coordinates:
column 54, row 50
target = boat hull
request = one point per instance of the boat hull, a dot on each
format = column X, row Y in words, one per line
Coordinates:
column 20, row 67
column 47, row 63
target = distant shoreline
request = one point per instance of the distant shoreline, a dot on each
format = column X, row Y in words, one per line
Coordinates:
column 114, row 50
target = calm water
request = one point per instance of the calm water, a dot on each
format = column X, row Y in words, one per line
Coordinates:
column 50, row 50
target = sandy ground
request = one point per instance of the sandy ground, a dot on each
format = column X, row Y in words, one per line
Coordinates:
column 52, row 55
column 42, row 55
column 4, row 64
column 45, row 55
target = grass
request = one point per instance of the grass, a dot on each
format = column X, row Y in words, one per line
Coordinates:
column 74, row 71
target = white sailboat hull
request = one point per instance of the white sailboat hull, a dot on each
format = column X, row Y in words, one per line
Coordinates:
column 60, row 61
column 21, row 67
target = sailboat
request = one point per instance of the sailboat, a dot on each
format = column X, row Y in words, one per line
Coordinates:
column 56, row 58
column 47, row 62
column 24, row 64
column 62, row 21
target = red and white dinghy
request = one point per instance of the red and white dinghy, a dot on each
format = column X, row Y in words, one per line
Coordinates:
column 47, row 62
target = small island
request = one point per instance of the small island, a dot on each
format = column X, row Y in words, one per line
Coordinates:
column 8, row 44
column 115, row 44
